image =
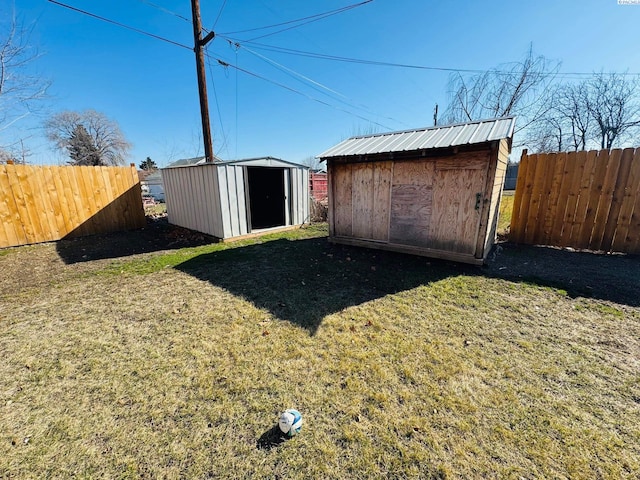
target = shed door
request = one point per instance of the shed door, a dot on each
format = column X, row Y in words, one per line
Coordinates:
column 457, row 206
column 433, row 204
column 267, row 198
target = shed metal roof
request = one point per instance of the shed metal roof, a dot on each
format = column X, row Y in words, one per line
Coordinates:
column 264, row 162
column 190, row 162
column 258, row 162
column 425, row 138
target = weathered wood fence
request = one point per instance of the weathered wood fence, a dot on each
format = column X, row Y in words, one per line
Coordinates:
column 587, row 200
column 41, row 204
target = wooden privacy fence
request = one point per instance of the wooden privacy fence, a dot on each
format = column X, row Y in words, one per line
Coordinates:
column 41, row 204
column 587, row 200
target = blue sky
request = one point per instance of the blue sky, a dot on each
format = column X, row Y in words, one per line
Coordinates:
column 149, row 86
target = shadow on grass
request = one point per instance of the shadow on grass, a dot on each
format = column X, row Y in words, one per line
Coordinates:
column 157, row 235
column 305, row 280
column 271, row 438
column 614, row 278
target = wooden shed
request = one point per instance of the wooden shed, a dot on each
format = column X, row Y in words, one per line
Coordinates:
column 237, row 198
column 432, row 191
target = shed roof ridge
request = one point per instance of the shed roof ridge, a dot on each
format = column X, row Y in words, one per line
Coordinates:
column 435, row 127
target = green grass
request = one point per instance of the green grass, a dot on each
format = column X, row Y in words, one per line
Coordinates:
column 155, row 263
column 158, row 209
column 176, row 365
column 506, row 209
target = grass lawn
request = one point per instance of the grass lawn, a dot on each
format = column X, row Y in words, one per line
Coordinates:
column 176, row 363
column 506, row 209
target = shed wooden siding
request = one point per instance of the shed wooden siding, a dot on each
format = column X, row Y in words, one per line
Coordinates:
column 496, row 193
column 212, row 198
column 444, row 206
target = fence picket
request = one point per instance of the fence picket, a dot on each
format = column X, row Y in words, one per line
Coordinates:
column 569, row 197
column 606, row 200
column 616, row 201
column 556, row 204
column 533, row 217
column 518, row 201
column 629, row 190
column 584, row 189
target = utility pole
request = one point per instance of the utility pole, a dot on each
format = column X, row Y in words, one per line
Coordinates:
column 435, row 116
column 199, row 43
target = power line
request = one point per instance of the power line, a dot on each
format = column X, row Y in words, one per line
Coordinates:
column 319, row 87
column 215, row 96
column 293, row 90
column 337, row 58
column 219, row 13
column 293, row 73
column 290, row 51
column 152, row 35
column 162, row 9
column 311, row 18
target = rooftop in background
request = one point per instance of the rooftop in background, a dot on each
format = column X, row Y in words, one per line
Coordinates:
column 444, row 136
column 257, row 161
column 187, row 162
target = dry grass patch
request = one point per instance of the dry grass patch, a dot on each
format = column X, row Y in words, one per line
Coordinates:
column 506, row 211
column 176, row 365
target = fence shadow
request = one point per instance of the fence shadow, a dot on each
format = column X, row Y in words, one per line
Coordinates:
column 614, row 278
column 154, row 236
column 305, row 280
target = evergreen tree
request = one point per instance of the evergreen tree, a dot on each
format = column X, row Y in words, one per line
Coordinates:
column 148, row 164
column 82, row 148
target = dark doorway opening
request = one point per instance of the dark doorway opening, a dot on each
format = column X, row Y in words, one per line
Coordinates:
column 266, row 197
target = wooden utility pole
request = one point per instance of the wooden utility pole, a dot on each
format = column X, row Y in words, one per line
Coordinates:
column 199, row 43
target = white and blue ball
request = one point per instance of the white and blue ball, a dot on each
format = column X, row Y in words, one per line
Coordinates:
column 290, row 422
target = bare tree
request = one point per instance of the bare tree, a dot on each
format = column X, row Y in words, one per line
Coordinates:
column 313, row 163
column 20, row 91
column 572, row 106
column 519, row 88
column 6, row 156
column 614, row 105
column 596, row 112
column 547, row 135
column 111, row 146
column 567, row 122
column 17, row 153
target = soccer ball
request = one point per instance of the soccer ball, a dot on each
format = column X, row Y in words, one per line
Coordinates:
column 290, row 422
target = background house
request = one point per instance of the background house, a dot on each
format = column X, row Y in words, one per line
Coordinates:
column 318, row 185
column 152, row 185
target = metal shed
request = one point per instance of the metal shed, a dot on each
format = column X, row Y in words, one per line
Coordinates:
column 237, row 198
column 432, row 191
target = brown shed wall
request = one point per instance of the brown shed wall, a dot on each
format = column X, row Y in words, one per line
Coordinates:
column 443, row 206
